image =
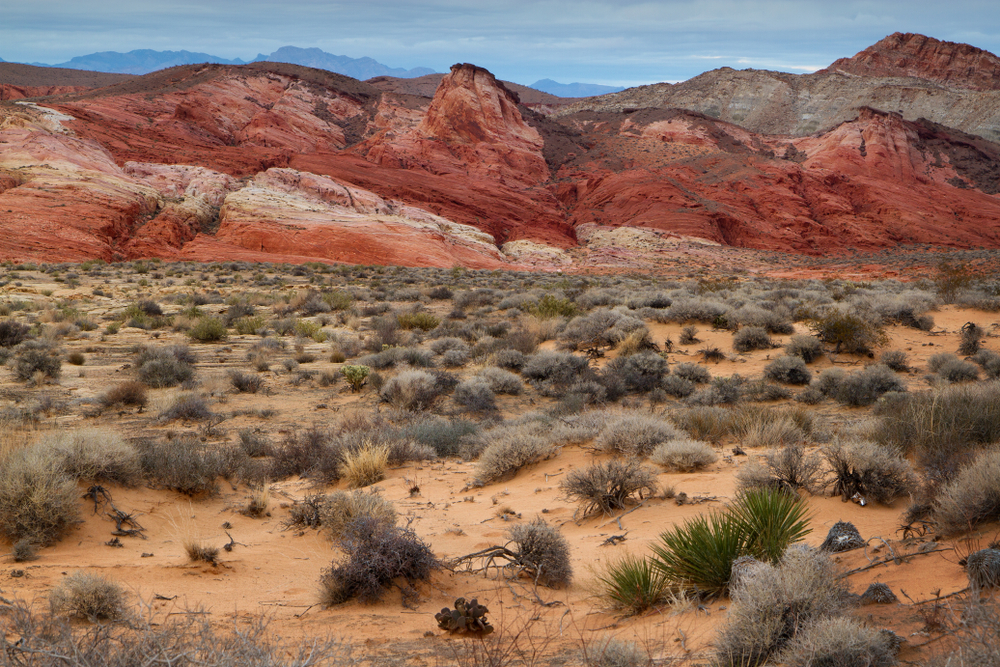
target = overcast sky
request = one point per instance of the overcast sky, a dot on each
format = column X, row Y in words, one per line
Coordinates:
column 615, row 42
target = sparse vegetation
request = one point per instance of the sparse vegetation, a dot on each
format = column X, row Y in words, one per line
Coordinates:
column 90, row 595
column 606, row 487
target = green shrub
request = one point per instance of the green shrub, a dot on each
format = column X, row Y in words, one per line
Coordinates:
column 632, row 585
column 698, row 555
column 249, row 326
column 419, row 320
column 356, row 376
column 850, row 333
column 771, row 520
column 208, row 329
column 550, row 306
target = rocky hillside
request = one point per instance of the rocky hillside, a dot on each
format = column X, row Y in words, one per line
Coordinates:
column 916, row 76
column 278, row 162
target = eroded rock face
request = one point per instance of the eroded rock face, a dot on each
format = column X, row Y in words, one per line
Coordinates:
column 907, row 54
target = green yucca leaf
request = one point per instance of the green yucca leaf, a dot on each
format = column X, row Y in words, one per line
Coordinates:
column 633, row 584
column 771, row 519
column 699, row 554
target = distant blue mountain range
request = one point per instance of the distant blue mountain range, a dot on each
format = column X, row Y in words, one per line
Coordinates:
column 573, row 89
column 144, row 61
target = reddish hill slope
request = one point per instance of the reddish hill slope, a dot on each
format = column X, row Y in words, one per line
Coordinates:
column 283, row 163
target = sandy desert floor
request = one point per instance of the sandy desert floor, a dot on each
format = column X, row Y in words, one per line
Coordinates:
column 274, row 571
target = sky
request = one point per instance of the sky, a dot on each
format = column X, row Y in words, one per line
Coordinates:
column 611, row 42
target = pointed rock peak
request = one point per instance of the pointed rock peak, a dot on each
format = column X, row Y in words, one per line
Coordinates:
column 471, row 106
column 909, row 54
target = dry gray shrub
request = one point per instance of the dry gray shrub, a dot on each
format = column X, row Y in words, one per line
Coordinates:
column 90, row 595
column 808, row 348
column 501, row 381
column 752, row 338
column 683, row 455
column 410, row 390
column 609, row 486
column 788, row 468
column 840, row 642
column 874, row 471
column 543, row 552
column 38, row 500
column 339, row 509
column 971, row 498
column 508, row 449
column 636, row 434
column 788, row 369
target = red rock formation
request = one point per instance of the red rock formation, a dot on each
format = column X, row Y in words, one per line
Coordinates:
column 907, row 54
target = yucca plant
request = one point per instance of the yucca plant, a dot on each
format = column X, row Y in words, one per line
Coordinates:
column 771, row 519
column 699, row 555
column 633, row 584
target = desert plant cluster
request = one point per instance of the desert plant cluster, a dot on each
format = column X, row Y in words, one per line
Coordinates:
column 364, row 409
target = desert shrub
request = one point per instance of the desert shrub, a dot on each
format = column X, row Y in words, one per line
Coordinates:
column 972, row 497
column 951, row 368
column 549, row 306
column 446, row 437
column 187, row 406
column 255, row 443
column 683, row 455
column 677, row 386
column 770, row 520
column 475, row 395
column 849, row 332
column 773, row 604
column 510, row 359
column 340, row 509
column 556, row 367
column 989, row 361
column 249, row 326
column 164, row 366
column 356, row 375
column 874, row 471
column 721, row 391
column 748, row 339
column 632, row 585
column 635, row 434
column 454, row 358
column 38, row 501
column 542, row 551
column 609, row 486
column 245, row 383
column 807, row 348
column 501, row 381
column 76, row 358
column 13, row 333
column 181, row 464
column 419, row 320
column 639, row 372
column 93, row 454
column 376, row 554
column 90, row 595
column 839, row 641
column 705, row 423
column 507, row 451
column 36, row 356
column 788, row 369
column 689, row 335
column 762, row 391
column 788, row 468
column 130, row 392
column 208, row 330
column 895, row 360
column 364, row 466
column 829, row 381
column 698, row 554
column 755, row 427
column 410, row 390
column 442, row 345
column 941, row 424
column 864, row 387
column 971, row 338
column 693, row 372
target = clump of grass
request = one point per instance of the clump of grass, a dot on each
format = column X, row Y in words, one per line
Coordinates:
column 365, row 466
column 245, row 383
column 683, row 455
column 605, row 487
column 340, row 508
column 93, row 454
column 839, row 642
column 38, row 500
column 199, row 552
column 257, row 502
column 208, row 330
column 633, row 585
column 89, row 595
